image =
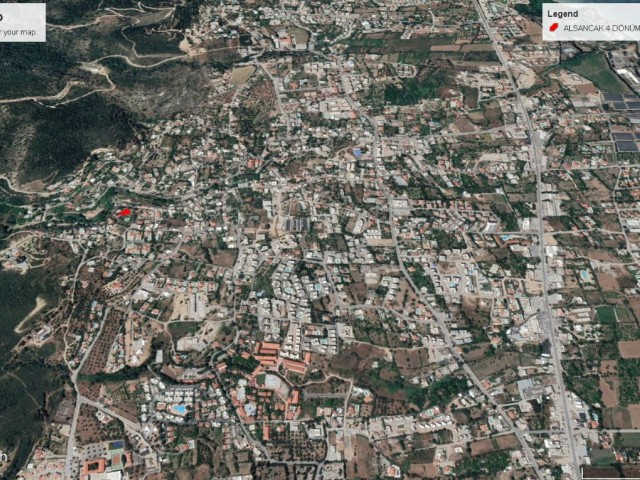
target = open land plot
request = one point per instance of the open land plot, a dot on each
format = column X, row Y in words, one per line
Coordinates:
column 602, row 457
column 607, row 282
column 240, row 75
column 481, row 447
column 630, row 439
column 609, row 389
column 301, row 35
column 361, row 466
column 600, row 472
column 595, row 67
column 507, row 441
column 617, row 417
column 409, row 360
column 634, row 415
column 491, row 365
column 629, row 348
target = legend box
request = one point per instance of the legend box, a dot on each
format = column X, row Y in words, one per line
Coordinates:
column 611, row 22
column 23, row 22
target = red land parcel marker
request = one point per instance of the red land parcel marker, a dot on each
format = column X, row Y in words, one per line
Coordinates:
column 124, row 213
column 554, row 27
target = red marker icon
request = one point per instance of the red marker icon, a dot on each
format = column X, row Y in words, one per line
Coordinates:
column 124, row 213
column 554, row 27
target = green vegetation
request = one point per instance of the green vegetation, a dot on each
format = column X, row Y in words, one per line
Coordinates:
column 20, row 418
column 422, row 455
column 392, row 42
column 310, row 406
column 412, row 90
column 487, row 466
column 181, row 329
column 516, row 264
column 407, row 91
column 149, row 42
column 630, row 440
column 245, row 364
column 594, row 67
column 262, row 281
column 602, row 457
column 579, row 381
column 533, row 9
column 186, row 13
column 60, row 138
column 448, row 240
column 18, row 294
column 509, row 221
column 443, row 391
column 421, row 279
column 32, row 69
column 628, row 373
column 68, row 12
column 610, row 315
column 606, row 314
column 127, row 373
column 24, row 384
column 387, row 381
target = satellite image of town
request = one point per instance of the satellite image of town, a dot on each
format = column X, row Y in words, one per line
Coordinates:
column 318, row 240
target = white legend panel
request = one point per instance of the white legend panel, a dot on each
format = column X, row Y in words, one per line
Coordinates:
column 590, row 22
column 23, row 22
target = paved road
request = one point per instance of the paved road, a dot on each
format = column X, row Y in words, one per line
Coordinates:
column 76, row 412
column 546, row 315
column 437, row 315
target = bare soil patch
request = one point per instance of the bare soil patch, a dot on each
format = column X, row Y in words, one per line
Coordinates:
column 362, row 465
column 629, row 348
column 225, row 258
column 240, row 75
column 411, row 361
column 609, row 389
column 507, row 441
column 492, row 365
column 445, row 48
column 607, row 282
column 609, row 367
column 634, row 415
column 481, row 447
column 424, row 470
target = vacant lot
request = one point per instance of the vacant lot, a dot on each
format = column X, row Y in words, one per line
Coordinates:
column 301, row 36
column 507, row 441
column 607, row 282
column 99, row 354
column 362, row 465
column 609, row 389
column 631, row 440
column 617, row 417
column 225, row 258
column 491, row 365
column 240, row 75
column 594, row 67
column 411, row 360
column 634, row 415
column 503, row 442
column 481, row 447
column 629, row 348
column 602, row 457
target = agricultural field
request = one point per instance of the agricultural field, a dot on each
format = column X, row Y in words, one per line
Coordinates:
column 594, row 67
